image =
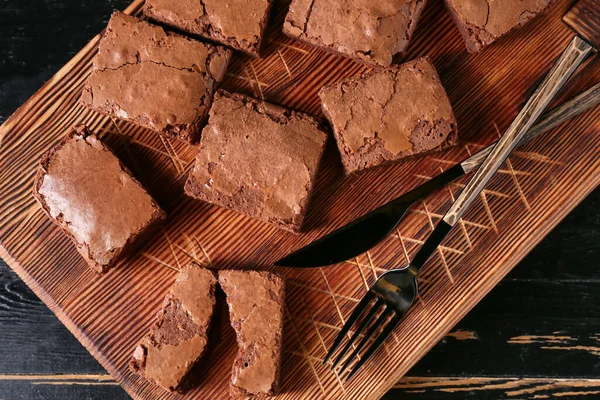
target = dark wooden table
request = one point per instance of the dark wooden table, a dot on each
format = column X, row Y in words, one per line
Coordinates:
column 536, row 335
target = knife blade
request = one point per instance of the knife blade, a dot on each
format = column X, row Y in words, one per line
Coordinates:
column 369, row 230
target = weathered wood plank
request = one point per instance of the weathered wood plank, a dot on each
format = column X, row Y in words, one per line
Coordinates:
column 520, row 333
column 411, row 388
column 492, row 388
column 51, row 387
column 570, row 252
column 33, row 340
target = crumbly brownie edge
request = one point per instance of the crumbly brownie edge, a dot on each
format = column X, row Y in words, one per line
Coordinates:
column 208, row 31
column 158, row 216
column 138, row 366
column 138, row 360
column 330, row 49
column 194, row 189
column 381, row 157
column 38, row 180
column 353, row 163
column 476, row 38
column 262, row 107
column 339, row 140
column 185, row 132
column 414, row 22
column 279, row 339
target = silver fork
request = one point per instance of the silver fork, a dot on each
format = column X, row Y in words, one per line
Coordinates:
column 394, row 292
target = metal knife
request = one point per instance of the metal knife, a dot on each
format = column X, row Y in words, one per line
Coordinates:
column 367, row 231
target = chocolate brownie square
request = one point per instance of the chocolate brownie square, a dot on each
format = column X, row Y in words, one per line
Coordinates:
column 156, row 79
column 179, row 336
column 373, row 32
column 256, row 304
column 389, row 114
column 239, row 24
column 84, row 188
column 258, row 159
column 481, row 22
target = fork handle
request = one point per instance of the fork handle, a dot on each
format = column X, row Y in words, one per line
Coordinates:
column 570, row 109
column 571, row 58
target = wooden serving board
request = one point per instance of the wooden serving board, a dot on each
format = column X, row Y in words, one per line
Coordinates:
column 536, row 188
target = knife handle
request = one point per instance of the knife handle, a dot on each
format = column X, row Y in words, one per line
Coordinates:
column 562, row 70
column 570, row 109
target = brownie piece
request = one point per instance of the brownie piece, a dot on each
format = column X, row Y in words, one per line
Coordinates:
column 156, row 79
column 256, row 301
column 389, row 114
column 373, row 32
column 236, row 23
column 84, row 188
column 258, row 159
column 481, row 22
column 179, row 336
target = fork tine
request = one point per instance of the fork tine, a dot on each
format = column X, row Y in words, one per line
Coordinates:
column 382, row 317
column 358, row 330
column 382, row 336
column 355, row 314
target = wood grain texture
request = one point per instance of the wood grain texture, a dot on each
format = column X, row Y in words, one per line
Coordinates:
column 584, row 18
column 413, row 388
column 572, row 57
column 482, row 345
column 497, row 388
column 540, row 184
column 559, row 115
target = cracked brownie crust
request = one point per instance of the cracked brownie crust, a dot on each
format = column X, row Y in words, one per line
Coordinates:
column 258, row 159
column 481, row 22
column 390, row 114
column 179, row 336
column 374, row 32
column 83, row 187
column 159, row 80
column 236, row 23
column 256, row 301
